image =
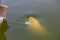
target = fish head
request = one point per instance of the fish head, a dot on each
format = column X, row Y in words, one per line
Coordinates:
column 32, row 19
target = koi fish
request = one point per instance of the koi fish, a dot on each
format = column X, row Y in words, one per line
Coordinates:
column 35, row 25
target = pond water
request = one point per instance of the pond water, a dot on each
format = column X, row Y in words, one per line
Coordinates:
column 46, row 11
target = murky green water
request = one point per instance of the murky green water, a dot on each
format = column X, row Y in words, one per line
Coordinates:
column 46, row 11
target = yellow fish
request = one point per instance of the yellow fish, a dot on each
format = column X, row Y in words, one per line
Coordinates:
column 35, row 26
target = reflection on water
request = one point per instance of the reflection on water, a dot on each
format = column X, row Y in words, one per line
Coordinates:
column 3, row 28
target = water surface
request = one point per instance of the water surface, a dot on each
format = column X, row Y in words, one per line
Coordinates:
column 47, row 11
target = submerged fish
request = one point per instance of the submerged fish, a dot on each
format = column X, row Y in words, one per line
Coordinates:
column 35, row 25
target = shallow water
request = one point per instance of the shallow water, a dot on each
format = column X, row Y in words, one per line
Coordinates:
column 46, row 11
